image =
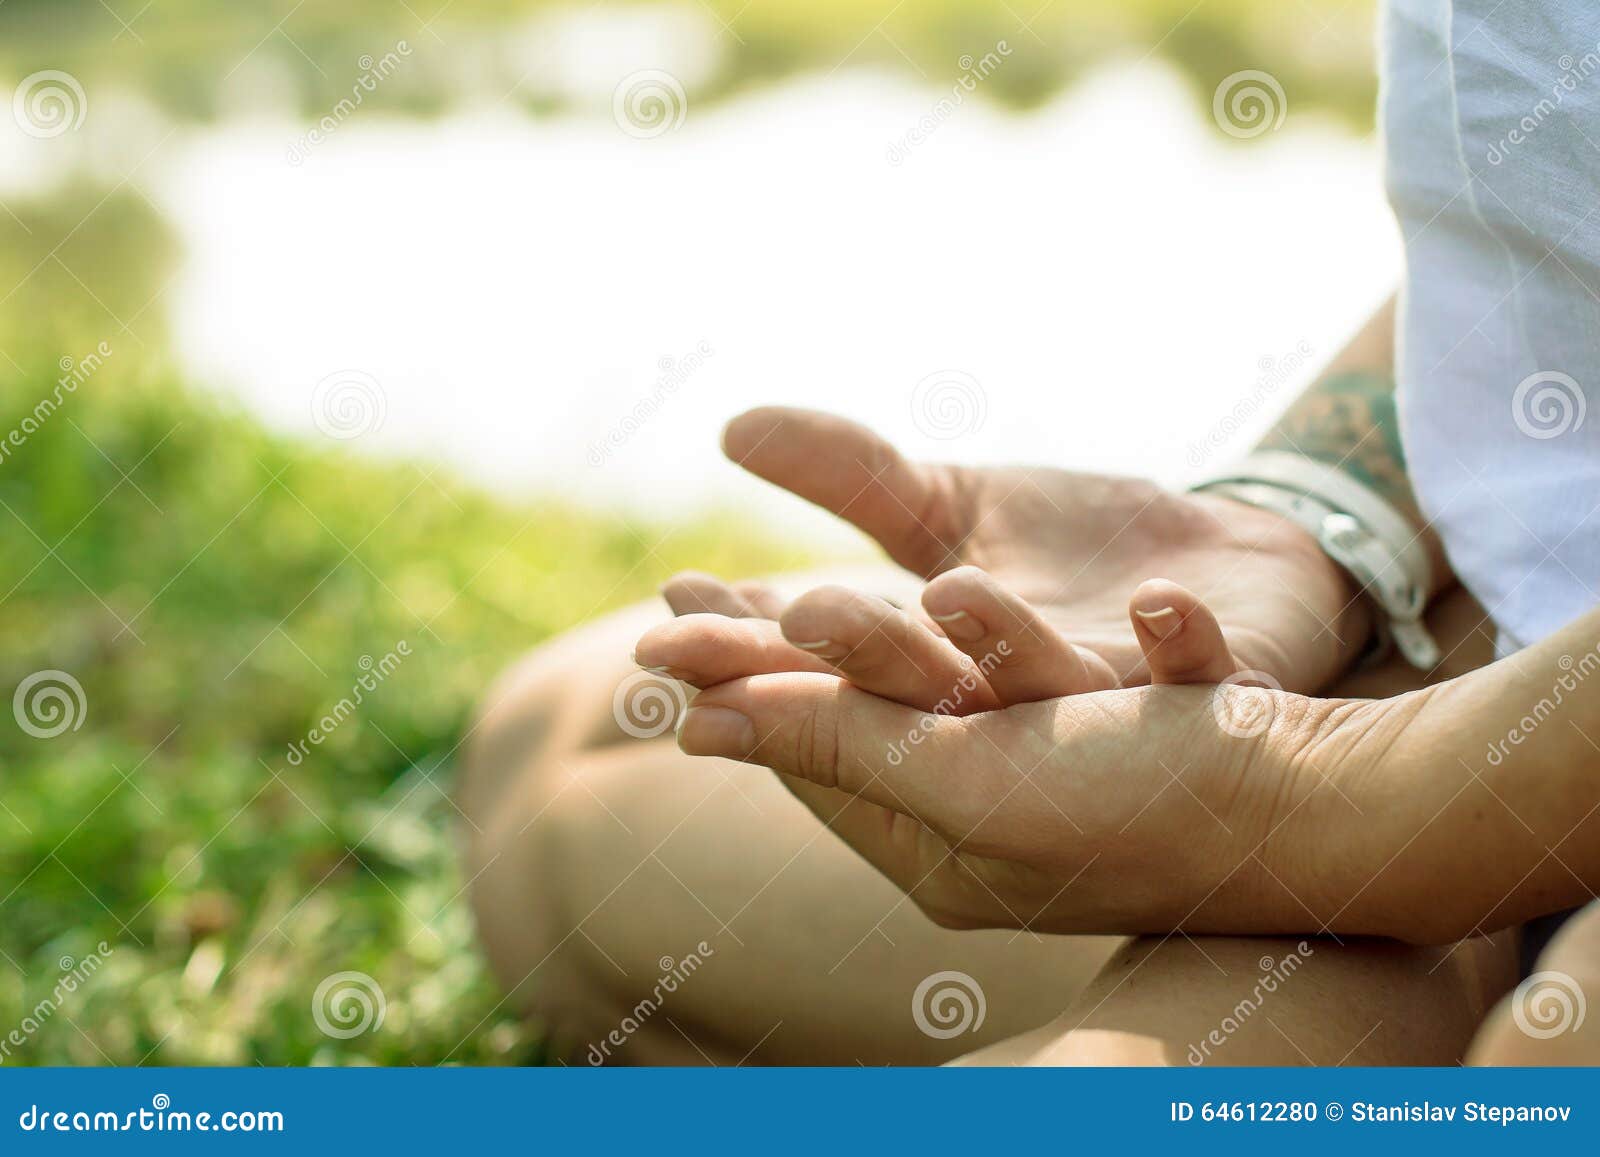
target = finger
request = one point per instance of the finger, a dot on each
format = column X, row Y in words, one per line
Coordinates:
column 827, row 732
column 706, row 649
column 881, row 649
column 692, row 593
column 1024, row 658
column 763, row 602
column 848, row 470
column 1181, row 639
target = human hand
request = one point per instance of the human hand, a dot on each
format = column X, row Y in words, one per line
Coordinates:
column 1227, row 809
column 1073, row 547
column 1219, row 809
column 977, row 646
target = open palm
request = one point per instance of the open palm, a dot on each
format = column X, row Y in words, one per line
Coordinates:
column 1074, row 545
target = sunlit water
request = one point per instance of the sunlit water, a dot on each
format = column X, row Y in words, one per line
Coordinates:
column 1100, row 283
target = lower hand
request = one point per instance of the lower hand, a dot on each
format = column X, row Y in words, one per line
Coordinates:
column 1133, row 810
column 1227, row 809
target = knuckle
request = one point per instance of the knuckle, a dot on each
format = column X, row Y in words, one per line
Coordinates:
column 868, row 659
column 817, row 613
column 965, row 575
column 817, row 746
column 819, row 598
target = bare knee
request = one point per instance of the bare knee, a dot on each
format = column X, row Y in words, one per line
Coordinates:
column 1546, row 1021
column 574, row 693
column 547, row 855
column 517, row 790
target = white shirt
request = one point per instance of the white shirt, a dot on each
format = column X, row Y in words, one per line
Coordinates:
column 1491, row 124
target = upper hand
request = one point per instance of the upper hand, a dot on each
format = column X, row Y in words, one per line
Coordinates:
column 1075, row 546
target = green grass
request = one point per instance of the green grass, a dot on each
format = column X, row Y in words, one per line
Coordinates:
column 216, row 589
column 188, row 55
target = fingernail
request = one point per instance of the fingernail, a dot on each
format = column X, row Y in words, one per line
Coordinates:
column 960, row 625
column 716, row 731
column 1163, row 623
column 677, row 673
column 818, row 645
column 662, row 672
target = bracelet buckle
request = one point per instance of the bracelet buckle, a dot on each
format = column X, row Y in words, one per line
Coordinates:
column 1356, row 528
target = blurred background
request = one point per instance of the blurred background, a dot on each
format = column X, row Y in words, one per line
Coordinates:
column 347, row 350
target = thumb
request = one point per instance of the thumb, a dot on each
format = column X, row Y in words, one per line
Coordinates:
column 848, row 470
column 820, row 729
column 1180, row 637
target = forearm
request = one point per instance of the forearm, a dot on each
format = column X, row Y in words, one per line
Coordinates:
column 1348, row 419
column 1505, row 767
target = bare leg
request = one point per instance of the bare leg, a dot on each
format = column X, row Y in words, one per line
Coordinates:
column 1548, row 1021
column 1244, row 1001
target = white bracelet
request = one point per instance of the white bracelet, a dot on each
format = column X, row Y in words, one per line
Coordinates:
column 1355, row 527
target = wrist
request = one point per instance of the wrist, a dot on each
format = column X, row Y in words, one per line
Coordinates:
column 1356, row 525
column 1339, row 620
column 1352, row 629
column 1452, row 829
column 1369, row 843
column 1301, row 843
column 1509, row 753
